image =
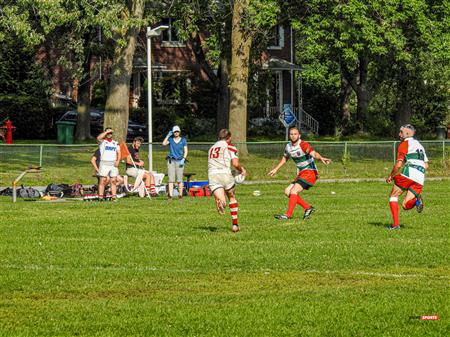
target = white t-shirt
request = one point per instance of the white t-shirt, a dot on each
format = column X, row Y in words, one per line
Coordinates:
column 220, row 156
column 108, row 150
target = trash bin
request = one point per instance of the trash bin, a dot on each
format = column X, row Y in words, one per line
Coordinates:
column 441, row 132
column 65, row 132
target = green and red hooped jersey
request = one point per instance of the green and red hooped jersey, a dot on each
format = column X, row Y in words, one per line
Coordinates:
column 413, row 155
column 300, row 153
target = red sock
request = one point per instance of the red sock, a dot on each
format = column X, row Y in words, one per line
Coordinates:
column 302, row 203
column 234, row 213
column 410, row 204
column 291, row 205
column 393, row 204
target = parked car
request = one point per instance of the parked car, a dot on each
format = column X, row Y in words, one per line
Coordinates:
column 134, row 129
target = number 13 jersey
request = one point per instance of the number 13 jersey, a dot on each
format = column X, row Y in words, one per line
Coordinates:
column 220, row 156
column 413, row 155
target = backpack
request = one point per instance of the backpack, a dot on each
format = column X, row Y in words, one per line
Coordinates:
column 77, row 190
column 58, row 190
column 7, row 192
column 28, row 192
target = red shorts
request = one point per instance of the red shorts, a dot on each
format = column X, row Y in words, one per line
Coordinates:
column 407, row 184
column 306, row 178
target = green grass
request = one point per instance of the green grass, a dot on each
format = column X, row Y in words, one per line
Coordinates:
column 159, row 268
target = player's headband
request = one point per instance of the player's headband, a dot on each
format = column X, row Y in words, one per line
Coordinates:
column 408, row 126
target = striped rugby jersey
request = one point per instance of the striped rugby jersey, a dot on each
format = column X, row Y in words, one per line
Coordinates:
column 220, row 156
column 300, row 154
column 413, row 155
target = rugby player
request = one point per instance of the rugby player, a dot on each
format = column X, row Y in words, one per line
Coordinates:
column 411, row 155
column 109, row 163
column 303, row 156
column 221, row 157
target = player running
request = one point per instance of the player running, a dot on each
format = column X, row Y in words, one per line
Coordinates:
column 221, row 157
column 303, row 155
column 412, row 156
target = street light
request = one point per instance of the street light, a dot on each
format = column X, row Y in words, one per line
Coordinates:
column 151, row 33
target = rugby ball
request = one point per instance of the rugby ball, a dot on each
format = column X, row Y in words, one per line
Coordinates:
column 239, row 179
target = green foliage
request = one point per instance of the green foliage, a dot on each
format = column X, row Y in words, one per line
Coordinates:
column 405, row 43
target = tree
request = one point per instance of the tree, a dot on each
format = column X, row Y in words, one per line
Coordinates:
column 117, row 103
column 368, row 43
column 68, row 28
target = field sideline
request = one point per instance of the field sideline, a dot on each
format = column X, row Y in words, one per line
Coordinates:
column 160, row 268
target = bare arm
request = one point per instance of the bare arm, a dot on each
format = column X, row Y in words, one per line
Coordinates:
column 316, row 155
column 237, row 165
column 94, row 163
column 394, row 171
column 102, row 136
column 185, row 149
column 280, row 164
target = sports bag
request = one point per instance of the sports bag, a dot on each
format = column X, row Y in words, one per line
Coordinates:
column 28, row 192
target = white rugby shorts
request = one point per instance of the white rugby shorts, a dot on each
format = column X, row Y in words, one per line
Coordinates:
column 107, row 169
column 221, row 180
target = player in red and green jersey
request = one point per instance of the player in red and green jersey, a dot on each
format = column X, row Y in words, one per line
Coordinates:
column 303, row 155
column 411, row 155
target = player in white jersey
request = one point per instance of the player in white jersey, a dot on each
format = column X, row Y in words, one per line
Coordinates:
column 109, row 162
column 411, row 155
column 303, row 156
column 222, row 157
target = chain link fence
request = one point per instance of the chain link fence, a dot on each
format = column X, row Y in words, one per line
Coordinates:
column 71, row 163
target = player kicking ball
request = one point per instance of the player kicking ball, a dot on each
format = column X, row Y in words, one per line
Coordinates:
column 303, row 156
column 221, row 157
column 411, row 155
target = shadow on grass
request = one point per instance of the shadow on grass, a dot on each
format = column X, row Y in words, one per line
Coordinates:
column 208, row 228
column 383, row 224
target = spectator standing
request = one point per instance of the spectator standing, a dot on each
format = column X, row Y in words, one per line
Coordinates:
column 109, row 163
column 178, row 152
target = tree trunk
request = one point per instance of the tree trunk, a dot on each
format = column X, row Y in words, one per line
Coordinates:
column 223, row 92
column 362, row 94
column 403, row 111
column 344, row 96
column 117, row 102
column 241, row 42
column 200, row 59
column 223, row 99
column 83, row 130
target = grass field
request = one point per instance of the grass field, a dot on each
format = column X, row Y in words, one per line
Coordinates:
column 160, row 268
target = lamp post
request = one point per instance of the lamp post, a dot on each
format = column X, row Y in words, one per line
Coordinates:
column 151, row 33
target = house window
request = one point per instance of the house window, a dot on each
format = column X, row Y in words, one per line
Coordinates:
column 170, row 36
column 172, row 87
column 276, row 39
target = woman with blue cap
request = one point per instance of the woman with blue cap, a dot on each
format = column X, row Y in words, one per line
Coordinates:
column 178, row 152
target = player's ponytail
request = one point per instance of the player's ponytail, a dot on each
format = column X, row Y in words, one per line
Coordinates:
column 224, row 134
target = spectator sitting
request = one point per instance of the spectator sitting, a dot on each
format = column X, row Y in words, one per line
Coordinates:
column 135, row 167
